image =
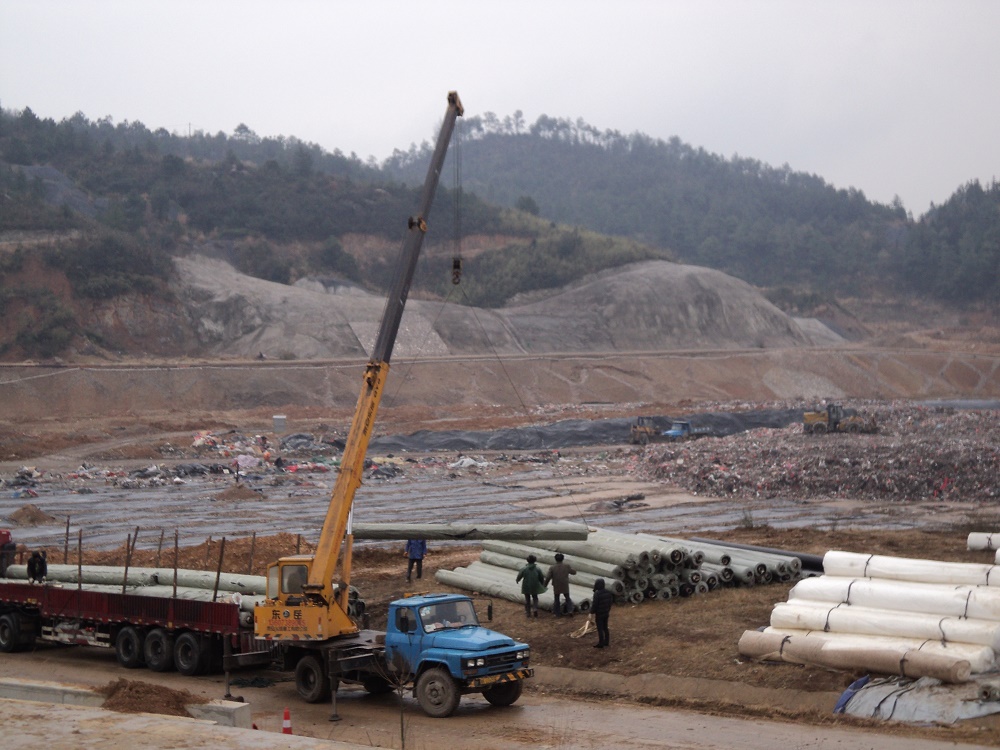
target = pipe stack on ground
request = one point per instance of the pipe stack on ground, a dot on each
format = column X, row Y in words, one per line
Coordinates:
column 635, row 567
column 890, row 607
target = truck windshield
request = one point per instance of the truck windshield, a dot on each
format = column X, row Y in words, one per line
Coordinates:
column 454, row 614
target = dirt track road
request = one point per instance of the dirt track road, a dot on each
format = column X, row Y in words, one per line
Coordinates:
column 536, row 721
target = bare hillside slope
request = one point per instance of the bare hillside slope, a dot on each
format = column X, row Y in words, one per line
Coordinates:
column 654, row 305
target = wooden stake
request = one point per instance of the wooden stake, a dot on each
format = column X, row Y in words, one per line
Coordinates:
column 159, row 547
column 253, row 547
column 66, row 543
column 218, row 570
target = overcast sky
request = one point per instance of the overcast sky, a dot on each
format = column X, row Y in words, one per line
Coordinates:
column 893, row 97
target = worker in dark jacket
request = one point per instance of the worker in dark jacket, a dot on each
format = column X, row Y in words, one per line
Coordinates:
column 600, row 605
column 532, row 583
column 38, row 568
column 558, row 576
column 415, row 551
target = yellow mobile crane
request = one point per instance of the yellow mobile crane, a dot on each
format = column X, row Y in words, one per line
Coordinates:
column 307, row 616
column 304, row 587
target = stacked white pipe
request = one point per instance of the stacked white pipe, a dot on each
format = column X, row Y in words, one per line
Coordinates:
column 635, row 567
column 884, row 608
column 246, row 591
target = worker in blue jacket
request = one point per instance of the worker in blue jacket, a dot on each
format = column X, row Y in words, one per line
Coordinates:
column 415, row 551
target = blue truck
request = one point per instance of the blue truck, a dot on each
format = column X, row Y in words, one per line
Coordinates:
column 433, row 645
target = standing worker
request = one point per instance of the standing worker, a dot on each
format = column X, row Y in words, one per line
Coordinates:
column 559, row 575
column 415, row 551
column 532, row 584
column 38, row 568
column 600, row 605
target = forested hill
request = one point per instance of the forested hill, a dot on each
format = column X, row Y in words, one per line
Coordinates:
column 770, row 226
column 280, row 208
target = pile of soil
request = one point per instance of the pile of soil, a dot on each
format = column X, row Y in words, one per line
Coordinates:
column 134, row 697
column 32, row 515
column 238, row 492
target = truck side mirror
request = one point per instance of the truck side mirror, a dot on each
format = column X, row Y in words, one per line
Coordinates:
column 489, row 612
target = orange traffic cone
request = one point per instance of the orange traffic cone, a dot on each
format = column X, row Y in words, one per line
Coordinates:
column 286, row 724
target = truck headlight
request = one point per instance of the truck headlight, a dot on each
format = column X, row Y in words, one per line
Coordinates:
column 522, row 655
column 473, row 663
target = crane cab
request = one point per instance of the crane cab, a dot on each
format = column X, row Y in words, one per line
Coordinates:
column 292, row 612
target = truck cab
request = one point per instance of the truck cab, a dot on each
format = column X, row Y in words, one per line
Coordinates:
column 436, row 640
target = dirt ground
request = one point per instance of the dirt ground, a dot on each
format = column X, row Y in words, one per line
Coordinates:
column 691, row 638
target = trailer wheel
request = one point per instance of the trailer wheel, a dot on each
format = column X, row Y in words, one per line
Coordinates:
column 437, row 693
column 504, row 693
column 311, row 680
column 128, row 647
column 159, row 650
column 189, row 656
column 10, row 633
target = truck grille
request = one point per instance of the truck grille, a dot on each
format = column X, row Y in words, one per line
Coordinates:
column 503, row 661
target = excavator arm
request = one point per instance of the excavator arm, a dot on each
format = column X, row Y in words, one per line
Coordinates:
column 316, row 608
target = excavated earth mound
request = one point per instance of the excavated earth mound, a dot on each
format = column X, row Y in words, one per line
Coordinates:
column 651, row 305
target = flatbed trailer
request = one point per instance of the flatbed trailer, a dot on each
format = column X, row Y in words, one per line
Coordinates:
column 160, row 633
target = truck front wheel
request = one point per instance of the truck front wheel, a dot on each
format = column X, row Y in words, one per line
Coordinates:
column 437, row 693
column 311, row 681
column 504, row 693
column 128, row 647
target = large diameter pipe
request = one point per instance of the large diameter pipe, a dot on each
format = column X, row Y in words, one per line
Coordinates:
column 812, row 650
column 506, row 574
column 981, row 540
column 977, row 602
column 980, row 658
column 465, row 531
column 855, row 565
column 462, row 579
column 114, row 574
column 809, row 561
column 580, row 579
column 804, row 615
column 583, row 564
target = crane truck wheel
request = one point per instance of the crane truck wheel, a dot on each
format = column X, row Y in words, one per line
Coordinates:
column 128, row 647
column 189, row 654
column 10, row 633
column 311, row 681
column 819, row 428
column 159, row 650
column 437, row 693
column 504, row 693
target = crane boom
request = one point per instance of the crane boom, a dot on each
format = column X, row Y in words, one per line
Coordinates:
column 305, row 603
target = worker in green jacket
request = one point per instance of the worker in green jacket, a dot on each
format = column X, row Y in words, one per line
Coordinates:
column 532, row 582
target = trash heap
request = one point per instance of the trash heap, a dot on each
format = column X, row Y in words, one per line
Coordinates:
column 635, row 567
column 920, row 453
column 891, row 615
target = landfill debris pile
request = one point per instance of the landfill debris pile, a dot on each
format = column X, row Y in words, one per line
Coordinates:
column 635, row 567
column 920, row 453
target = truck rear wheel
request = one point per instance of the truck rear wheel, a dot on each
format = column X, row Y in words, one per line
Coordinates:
column 311, row 680
column 128, row 647
column 10, row 633
column 159, row 650
column 819, row 428
column 504, row 693
column 437, row 693
column 189, row 655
